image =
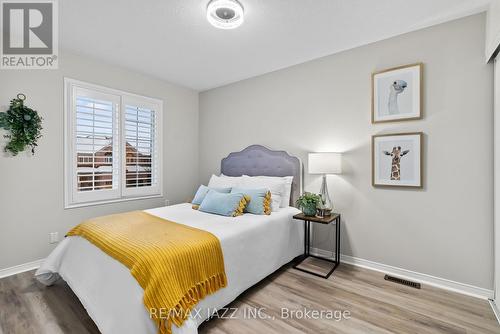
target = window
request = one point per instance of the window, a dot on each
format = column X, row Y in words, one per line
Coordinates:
column 112, row 145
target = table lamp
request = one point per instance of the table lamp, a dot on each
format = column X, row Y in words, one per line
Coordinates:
column 325, row 163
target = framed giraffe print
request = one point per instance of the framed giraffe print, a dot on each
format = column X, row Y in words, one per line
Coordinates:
column 397, row 160
column 397, row 94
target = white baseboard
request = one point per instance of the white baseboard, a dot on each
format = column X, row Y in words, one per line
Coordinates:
column 434, row 281
column 495, row 309
column 20, row 268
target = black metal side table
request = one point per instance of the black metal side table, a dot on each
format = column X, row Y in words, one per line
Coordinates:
column 335, row 218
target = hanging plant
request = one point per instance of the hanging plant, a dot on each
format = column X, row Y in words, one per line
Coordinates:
column 24, row 125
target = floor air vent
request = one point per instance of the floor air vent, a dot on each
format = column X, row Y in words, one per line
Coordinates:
column 402, row 281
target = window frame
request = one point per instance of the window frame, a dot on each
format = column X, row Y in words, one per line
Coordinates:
column 119, row 193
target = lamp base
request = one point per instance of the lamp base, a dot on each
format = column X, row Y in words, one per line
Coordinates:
column 325, row 197
column 322, row 213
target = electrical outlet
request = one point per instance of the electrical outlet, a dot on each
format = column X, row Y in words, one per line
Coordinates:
column 53, row 237
column 167, row 202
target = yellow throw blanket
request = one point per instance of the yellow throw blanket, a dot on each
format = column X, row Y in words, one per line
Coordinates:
column 176, row 265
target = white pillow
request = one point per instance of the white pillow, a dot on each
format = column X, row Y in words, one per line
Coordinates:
column 285, row 202
column 285, row 199
column 225, row 181
column 275, row 186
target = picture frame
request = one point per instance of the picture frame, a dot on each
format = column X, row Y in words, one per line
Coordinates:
column 397, row 94
column 397, row 160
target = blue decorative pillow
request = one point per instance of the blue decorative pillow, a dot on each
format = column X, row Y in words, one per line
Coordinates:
column 260, row 200
column 202, row 192
column 230, row 205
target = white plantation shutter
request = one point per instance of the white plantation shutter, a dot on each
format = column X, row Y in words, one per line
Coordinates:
column 112, row 146
column 94, row 144
column 140, row 146
column 95, row 158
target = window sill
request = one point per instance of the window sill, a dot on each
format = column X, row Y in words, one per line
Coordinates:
column 125, row 199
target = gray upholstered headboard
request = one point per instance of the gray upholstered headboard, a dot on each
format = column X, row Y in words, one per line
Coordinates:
column 258, row 160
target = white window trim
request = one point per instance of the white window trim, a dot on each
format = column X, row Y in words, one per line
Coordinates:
column 123, row 194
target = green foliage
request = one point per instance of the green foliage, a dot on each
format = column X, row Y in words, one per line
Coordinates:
column 308, row 200
column 24, row 125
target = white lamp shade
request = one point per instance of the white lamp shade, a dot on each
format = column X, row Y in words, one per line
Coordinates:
column 325, row 163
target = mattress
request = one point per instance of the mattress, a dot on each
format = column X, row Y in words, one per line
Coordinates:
column 253, row 246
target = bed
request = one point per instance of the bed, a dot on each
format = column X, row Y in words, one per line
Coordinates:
column 253, row 246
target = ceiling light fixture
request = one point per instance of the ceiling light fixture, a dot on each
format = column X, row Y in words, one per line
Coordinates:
column 225, row 14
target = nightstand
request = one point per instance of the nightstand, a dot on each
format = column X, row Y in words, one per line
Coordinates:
column 334, row 218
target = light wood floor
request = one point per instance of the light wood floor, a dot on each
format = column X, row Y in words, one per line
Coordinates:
column 375, row 306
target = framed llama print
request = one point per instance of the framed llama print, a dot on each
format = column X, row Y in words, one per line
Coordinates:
column 397, row 94
column 397, row 160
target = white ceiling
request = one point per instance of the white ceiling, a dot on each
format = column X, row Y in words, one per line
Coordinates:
column 172, row 40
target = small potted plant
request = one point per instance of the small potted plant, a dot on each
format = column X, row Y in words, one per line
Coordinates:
column 308, row 203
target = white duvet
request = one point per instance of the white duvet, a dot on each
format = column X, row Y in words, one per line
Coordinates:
column 253, row 247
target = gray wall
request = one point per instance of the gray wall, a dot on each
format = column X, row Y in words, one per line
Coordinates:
column 31, row 187
column 445, row 229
